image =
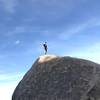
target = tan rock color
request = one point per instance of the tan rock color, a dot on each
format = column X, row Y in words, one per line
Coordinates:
column 46, row 58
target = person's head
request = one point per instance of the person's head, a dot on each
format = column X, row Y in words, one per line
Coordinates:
column 45, row 42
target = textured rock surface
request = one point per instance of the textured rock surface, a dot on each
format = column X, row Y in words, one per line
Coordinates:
column 60, row 78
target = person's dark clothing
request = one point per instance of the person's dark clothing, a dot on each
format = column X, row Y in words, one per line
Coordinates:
column 45, row 48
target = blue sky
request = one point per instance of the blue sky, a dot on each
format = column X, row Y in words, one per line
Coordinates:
column 70, row 27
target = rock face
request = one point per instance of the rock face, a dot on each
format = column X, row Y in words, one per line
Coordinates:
column 60, row 78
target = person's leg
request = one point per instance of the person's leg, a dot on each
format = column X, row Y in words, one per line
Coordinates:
column 45, row 51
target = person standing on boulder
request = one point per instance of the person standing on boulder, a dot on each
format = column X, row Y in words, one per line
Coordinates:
column 45, row 47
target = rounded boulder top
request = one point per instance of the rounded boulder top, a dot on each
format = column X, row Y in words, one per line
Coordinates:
column 60, row 78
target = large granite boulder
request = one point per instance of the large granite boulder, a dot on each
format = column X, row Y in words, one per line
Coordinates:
column 60, row 78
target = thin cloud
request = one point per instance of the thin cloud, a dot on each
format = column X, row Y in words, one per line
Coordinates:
column 16, row 30
column 21, row 30
column 17, row 42
column 9, row 5
column 54, row 9
column 9, row 77
column 71, row 32
column 67, row 34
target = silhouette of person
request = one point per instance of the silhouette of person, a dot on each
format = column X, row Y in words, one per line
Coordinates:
column 45, row 47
